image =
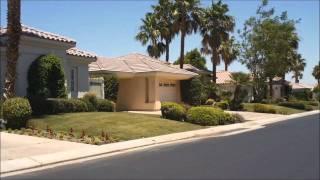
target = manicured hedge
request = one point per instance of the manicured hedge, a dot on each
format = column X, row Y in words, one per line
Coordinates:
column 261, row 108
column 222, row 104
column 174, row 111
column 105, row 105
column 295, row 105
column 209, row 116
column 16, row 111
column 55, row 106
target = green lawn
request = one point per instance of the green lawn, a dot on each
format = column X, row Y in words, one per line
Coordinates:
column 279, row 109
column 119, row 125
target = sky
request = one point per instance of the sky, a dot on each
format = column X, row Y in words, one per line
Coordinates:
column 108, row 27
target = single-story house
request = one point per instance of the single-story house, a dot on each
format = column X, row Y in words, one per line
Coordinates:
column 144, row 82
column 300, row 87
column 34, row 43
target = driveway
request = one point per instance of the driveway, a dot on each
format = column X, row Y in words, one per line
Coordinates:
column 15, row 146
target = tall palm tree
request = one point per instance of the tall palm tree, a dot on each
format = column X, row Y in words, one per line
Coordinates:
column 297, row 67
column 12, row 51
column 187, row 18
column 150, row 33
column 229, row 51
column 215, row 28
column 164, row 15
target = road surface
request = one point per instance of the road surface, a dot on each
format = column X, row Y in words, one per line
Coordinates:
column 285, row 150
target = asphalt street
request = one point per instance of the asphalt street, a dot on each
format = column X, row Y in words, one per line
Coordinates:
column 284, row 150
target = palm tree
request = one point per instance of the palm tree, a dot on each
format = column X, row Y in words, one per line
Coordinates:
column 12, row 50
column 239, row 80
column 150, row 33
column 298, row 67
column 229, row 51
column 187, row 18
column 215, row 28
column 164, row 15
column 316, row 73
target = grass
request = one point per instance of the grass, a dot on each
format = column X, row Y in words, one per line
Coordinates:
column 279, row 109
column 119, row 125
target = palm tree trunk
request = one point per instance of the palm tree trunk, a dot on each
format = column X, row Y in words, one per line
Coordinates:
column 225, row 66
column 270, row 88
column 183, row 34
column 12, row 51
column 167, row 50
column 214, row 60
column 296, row 79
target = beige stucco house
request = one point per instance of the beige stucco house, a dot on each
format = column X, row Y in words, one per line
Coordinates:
column 144, row 82
column 35, row 42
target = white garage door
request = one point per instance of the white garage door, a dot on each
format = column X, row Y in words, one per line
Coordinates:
column 168, row 91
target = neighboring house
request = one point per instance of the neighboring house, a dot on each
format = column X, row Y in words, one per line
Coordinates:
column 34, row 43
column 224, row 82
column 144, row 82
column 280, row 87
column 191, row 68
column 300, row 87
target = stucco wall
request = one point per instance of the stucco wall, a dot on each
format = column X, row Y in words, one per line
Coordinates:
column 32, row 48
column 132, row 94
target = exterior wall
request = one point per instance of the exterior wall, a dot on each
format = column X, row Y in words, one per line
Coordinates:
column 132, row 94
column 276, row 88
column 81, row 65
column 32, row 48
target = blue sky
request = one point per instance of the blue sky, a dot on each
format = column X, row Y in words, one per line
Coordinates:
column 108, row 27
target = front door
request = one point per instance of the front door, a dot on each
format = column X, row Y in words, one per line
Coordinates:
column 74, row 82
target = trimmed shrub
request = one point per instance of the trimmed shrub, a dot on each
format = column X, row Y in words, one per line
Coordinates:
column 174, row 111
column 105, row 105
column 46, row 78
column 222, row 105
column 111, row 86
column 55, row 106
column 308, row 108
column 209, row 116
column 194, row 91
column 261, row 108
column 295, row 105
column 209, row 102
column 16, row 111
column 305, row 95
column 91, row 100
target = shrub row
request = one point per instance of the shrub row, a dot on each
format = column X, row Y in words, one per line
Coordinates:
column 295, row 105
column 206, row 116
column 261, row 108
column 222, row 105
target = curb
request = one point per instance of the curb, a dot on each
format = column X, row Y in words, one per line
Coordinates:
column 34, row 162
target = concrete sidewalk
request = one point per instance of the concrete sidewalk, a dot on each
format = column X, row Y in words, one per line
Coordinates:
column 75, row 151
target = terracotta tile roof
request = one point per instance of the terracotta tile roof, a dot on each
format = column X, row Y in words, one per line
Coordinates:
column 80, row 53
column 33, row 32
column 135, row 63
column 223, row 77
column 301, row 86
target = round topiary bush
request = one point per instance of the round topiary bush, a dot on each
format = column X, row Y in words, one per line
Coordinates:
column 105, row 105
column 208, row 116
column 174, row 111
column 16, row 111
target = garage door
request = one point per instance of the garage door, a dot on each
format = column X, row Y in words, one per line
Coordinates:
column 168, row 91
